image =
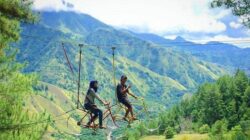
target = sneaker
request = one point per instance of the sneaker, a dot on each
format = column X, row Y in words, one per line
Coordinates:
column 102, row 127
column 125, row 119
column 134, row 118
column 87, row 125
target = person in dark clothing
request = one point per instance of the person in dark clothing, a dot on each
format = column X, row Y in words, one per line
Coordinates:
column 122, row 90
column 89, row 103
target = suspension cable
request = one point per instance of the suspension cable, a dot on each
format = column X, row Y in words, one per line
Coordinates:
column 68, row 62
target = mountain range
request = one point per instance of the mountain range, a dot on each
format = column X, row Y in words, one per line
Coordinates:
column 158, row 73
column 225, row 54
column 160, row 70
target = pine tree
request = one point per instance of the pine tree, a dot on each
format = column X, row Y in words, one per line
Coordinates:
column 241, row 82
column 15, row 122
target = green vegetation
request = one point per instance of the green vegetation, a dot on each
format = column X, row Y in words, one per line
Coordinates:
column 226, row 55
column 158, row 74
column 15, row 121
column 178, row 137
column 11, row 14
column 60, row 122
column 161, row 75
column 169, row 132
column 222, row 106
column 219, row 109
column 204, row 129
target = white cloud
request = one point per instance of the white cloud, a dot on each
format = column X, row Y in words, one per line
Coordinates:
column 240, row 41
column 155, row 16
column 170, row 37
column 235, row 25
column 48, row 5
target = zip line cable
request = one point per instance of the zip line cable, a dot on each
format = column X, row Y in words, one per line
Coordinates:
column 17, row 126
column 180, row 43
column 216, row 42
column 24, row 125
column 68, row 62
column 113, row 54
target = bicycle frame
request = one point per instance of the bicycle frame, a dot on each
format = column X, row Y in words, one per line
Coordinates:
column 106, row 113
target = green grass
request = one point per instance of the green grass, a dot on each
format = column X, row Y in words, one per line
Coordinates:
column 179, row 137
column 153, row 138
column 191, row 137
column 59, row 105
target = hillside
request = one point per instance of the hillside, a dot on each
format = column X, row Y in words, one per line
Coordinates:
column 224, row 54
column 160, row 75
column 61, row 106
column 153, row 70
column 51, row 53
column 220, row 109
column 55, row 102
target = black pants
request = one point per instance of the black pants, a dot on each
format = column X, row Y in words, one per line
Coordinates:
column 96, row 111
column 126, row 103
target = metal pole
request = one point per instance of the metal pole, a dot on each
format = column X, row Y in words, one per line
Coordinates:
column 79, row 75
column 113, row 53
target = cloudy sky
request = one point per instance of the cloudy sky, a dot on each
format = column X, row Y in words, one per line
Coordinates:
column 192, row 19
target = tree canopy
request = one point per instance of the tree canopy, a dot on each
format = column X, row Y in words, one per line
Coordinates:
column 239, row 8
column 15, row 86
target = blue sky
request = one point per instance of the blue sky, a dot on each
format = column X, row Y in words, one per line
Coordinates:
column 192, row 19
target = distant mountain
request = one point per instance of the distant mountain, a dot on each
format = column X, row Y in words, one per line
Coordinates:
column 70, row 22
column 161, row 75
column 224, row 54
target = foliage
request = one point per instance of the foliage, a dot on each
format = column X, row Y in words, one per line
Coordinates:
column 239, row 8
column 164, row 74
column 225, row 55
column 220, row 106
column 15, row 121
column 219, row 127
column 169, row 132
column 237, row 134
column 204, row 129
column 11, row 13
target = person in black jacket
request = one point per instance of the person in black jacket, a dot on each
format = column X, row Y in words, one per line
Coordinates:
column 122, row 91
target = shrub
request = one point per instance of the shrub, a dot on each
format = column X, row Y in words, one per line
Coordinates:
column 169, row 132
column 237, row 134
column 219, row 127
column 51, row 98
column 218, row 130
column 204, row 129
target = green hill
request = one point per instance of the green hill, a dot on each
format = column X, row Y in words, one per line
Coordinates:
column 159, row 74
column 56, row 102
column 224, row 54
column 220, row 109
